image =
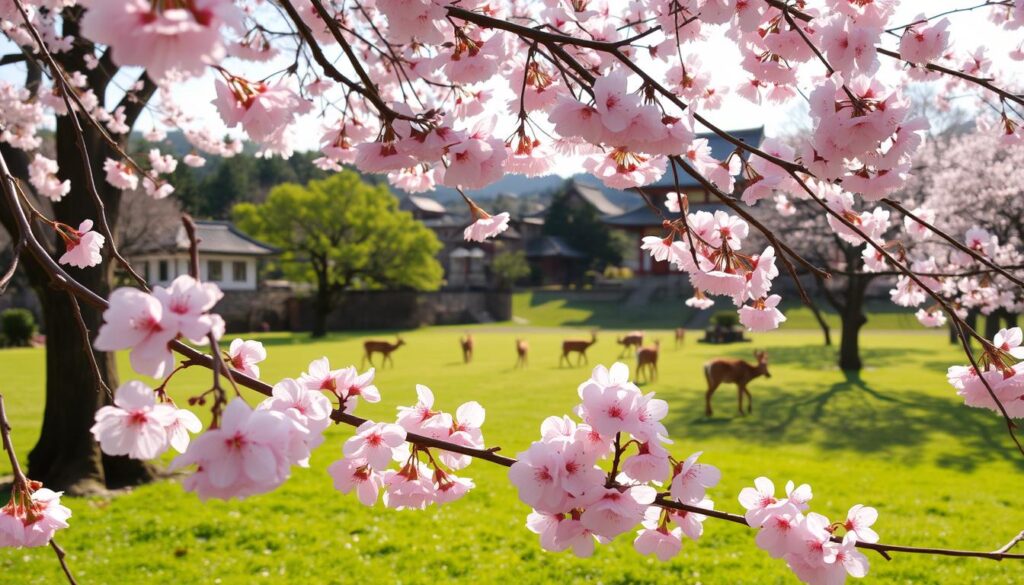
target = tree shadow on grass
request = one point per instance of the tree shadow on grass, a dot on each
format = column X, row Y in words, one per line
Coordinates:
column 850, row 415
column 820, row 357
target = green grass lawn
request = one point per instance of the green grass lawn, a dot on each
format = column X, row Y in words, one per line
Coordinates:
column 898, row 439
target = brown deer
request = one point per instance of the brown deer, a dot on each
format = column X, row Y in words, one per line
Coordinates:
column 467, row 348
column 634, row 339
column 680, row 336
column 647, row 362
column 737, row 372
column 578, row 346
column 384, row 348
column 522, row 348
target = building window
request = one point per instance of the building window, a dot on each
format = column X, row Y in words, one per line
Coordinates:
column 145, row 269
column 214, row 270
column 165, row 271
column 239, row 271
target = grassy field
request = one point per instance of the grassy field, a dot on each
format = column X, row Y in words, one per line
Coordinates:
column 897, row 438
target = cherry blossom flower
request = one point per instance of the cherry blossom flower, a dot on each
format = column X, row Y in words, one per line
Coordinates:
column 187, row 302
column 422, row 418
column 375, row 443
column 83, row 246
column 650, row 464
column 692, row 479
column 136, row 425
column 120, row 175
column 859, row 521
column 137, row 321
column 931, row 318
column 162, row 163
column 194, row 160
column 486, row 226
column 1009, row 340
column 760, row 502
column 659, row 541
column 42, row 174
column 352, row 385
column 762, row 315
column 264, row 111
column 609, row 400
column 537, row 475
column 355, row 474
column 465, row 431
column 309, row 408
column 243, row 355
column 924, row 41
column 33, row 522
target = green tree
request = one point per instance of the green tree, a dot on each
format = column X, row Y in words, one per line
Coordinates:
column 510, row 267
column 580, row 226
column 343, row 234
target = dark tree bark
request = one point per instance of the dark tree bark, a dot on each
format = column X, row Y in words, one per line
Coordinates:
column 324, row 297
column 853, row 319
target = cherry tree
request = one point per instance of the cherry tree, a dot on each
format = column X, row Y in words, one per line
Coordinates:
column 431, row 92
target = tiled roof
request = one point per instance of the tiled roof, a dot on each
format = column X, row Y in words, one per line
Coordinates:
column 220, row 237
column 551, row 247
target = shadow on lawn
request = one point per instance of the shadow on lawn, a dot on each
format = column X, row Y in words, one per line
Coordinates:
column 849, row 415
column 819, row 357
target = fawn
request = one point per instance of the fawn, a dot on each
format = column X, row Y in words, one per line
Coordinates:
column 737, row 372
column 522, row 348
column 578, row 346
column 680, row 336
column 647, row 362
column 384, row 348
column 634, row 339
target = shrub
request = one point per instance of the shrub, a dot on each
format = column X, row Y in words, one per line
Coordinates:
column 19, row 325
column 725, row 318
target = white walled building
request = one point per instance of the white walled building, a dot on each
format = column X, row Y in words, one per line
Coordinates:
column 227, row 257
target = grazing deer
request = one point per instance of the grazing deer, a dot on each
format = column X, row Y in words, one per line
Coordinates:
column 384, row 348
column 522, row 348
column 579, row 346
column 634, row 339
column 647, row 361
column 737, row 372
column 680, row 336
column 467, row 348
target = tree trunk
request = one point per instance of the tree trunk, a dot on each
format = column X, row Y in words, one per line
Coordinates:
column 994, row 320
column 852, row 320
column 322, row 306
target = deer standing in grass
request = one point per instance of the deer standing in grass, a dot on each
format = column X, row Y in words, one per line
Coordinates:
column 736, row 372
column 577, row 346
column 647, row 362
column 384, row 348
column 634, row 339
column 680, row 336
column 522, row 348
column 467, row 348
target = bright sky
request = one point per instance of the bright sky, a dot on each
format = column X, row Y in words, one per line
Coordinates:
column 717, row 53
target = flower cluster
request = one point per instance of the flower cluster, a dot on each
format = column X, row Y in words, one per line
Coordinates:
column 139, row 426
column 31, row 517
column 577, row 503
column 1003, row 372
column 81, row 246
column 806, row 540
column 146, row 323
column 708, row 249
column 347, row 384
column 423, row 476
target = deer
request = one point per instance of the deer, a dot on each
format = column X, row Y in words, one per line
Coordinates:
column 579, row 346
column 467, row 348
column 522, row 348
column 737, row 372
column 647, row 361
column 384, row 348
column 680, row 336
column 634, row 339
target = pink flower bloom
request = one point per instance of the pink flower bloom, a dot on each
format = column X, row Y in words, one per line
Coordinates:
column 760, row 502
column 622, row 169
column 465, row 431
column 614, row 103
column 659, row 541
column 933, row 318
column 799, row 495
column 178, row 431
column 450, row 488
column 410, row 488
column 352, row 385
column 245, row 455
column 859, row 521
column 33, row 524
column 692, row 523
column 162, row 163
column 137, row 321
column 120, row 175
column 486, row 227
column 692, row 479
column 321, row 377
column 1009, row 340
column 376, row 443
column 762, row 315
column 609, row 400
column 572, row 118
column 650, row 464
column 355, row 474
column 546, row 525
column 83, row 246
column 136, row 425
column 194, row 160
column 700, row 302
column 185, row 37
column 614, row 512
column 186, row 304
column 42, row 173
column 537, row 474
column 924, row 41
column 309, row 409
column 422, row 418
column 780, row 533
column 243, row 355
column 264, row 112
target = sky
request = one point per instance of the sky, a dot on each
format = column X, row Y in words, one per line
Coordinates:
column 717, row 53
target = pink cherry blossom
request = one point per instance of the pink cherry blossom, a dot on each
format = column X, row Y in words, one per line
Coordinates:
column 355, row 474
column 422, row 418
column 42, row 174
column 859, row 521
column 120, row 175
column 375, row 442
column 932, row 318
column 243, row 355
column 485, row 227
column 465, row 431
column 659, row 541
column 33, row 522
column 615, row 511
column 187, row 302
column 136, row 425
column 537, row 474
column 622, row 169
column 137, row 321
column 194, row 160
column 309, row 409
column 650, row 464
column 760, row 502
column 609, row 400
column 762, row 315
column 1009, row 340
column 162, row 163
column 264, row 111
column 351, row 386
column 924, row 41
column 83, row 246
column 692, row 479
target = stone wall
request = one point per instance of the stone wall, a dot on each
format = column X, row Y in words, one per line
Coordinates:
column 404, row 309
